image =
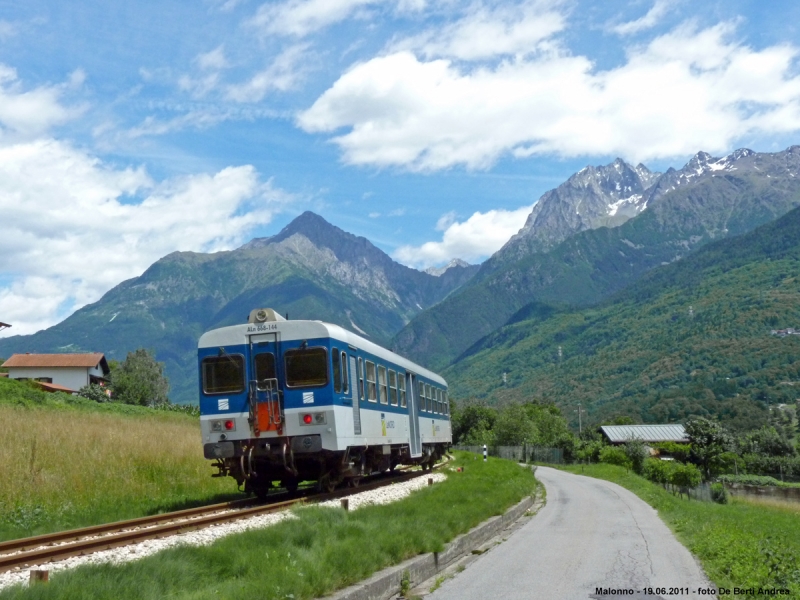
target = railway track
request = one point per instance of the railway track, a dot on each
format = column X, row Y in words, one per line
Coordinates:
column 39, row 550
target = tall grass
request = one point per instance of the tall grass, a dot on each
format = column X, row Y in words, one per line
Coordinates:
column 741, row 544
column 64, row 464
column 322, row 550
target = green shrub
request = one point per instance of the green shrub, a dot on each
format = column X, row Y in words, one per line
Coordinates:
column 657, row 471
column 590, row 451
column 680, row 452
column 685, row 476
column 719, row 494
column 755, row 480
column 636, row 452
column 614, row 455
column 94, row 392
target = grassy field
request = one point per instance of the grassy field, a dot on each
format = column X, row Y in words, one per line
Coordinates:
column 742, row 544
column 69, row 462
column 322, row 550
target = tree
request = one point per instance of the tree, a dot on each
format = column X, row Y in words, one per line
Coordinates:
column 514, row 427
column 709, row 440
column 472, row 425
column 139, row 379
column 636, row 452
column 767, row 441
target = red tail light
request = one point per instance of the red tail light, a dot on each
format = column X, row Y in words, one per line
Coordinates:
column 228, row 425
column 307, row 419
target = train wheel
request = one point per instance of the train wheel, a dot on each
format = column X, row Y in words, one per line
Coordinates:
column 354, row 482
column 290, row 485
column 327, row 483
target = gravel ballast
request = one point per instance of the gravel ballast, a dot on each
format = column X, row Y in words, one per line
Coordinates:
column 208, row 535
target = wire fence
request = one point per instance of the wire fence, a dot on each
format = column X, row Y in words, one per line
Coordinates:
column 524, row 453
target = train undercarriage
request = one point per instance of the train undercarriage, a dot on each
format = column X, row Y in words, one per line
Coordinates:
column 261, row 466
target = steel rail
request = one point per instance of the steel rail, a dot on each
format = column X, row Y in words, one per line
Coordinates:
column 75, row 534
column 77, row 542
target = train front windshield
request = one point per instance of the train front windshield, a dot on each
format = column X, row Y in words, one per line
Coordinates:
column 223, row 374
column 306, row 367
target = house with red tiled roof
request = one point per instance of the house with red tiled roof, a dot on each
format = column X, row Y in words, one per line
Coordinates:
column 59, row 372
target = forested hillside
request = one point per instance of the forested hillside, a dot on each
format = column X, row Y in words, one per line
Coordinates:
column 691, row 338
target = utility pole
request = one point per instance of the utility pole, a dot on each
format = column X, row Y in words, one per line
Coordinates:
column 579, row 410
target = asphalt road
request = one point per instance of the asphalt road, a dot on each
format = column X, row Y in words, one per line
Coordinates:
column 591, row 534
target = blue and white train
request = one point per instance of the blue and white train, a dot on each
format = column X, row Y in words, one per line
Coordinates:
column 287, row 401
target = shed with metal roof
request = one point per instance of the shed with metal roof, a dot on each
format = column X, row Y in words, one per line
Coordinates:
column 619, row 434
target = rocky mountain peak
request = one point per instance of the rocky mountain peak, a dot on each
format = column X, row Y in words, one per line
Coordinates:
column 455, row 263
column 595, row 196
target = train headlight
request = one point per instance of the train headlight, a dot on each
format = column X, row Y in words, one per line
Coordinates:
column 220, row 425
column 318, row 418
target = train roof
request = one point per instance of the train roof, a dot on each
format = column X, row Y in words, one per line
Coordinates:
column 302, row 330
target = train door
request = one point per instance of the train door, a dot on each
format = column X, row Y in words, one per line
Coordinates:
column 354, row 390
column 415, row 444
column 266, row 410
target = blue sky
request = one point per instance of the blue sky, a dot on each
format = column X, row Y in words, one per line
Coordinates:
column 131, row 130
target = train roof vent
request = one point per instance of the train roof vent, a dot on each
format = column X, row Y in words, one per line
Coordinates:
column 262, row 315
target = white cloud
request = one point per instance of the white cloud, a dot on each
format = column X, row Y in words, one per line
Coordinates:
column 648, row 21
column 472, row 240
column 286, row 70
column 301, row 17
column 213, row 60
column 73, row 227
column 27, row 113
column 488, row 32
column 685, row 90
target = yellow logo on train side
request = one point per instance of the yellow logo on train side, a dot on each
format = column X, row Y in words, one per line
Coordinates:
column 383, row 425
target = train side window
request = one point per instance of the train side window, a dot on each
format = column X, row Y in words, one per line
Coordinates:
column 372, row 394
column 382, row 383
column 428, row 402
column 306, row 367
column 392, row 388
column 345, row 380
column 223, row 374
column 401, row 388
column 439, row 401
column 337, row 372
column 436, row 407
column 361, row 378
column 422, row 396
column 446, row 403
